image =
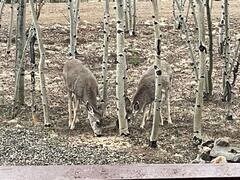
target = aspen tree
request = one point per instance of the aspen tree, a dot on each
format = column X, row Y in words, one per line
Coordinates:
column 158, row 72
column 221, row 30
column 132, row 31
column 226, row 50
column 41, row 66
column 197, row 129
column 20, row 43
column 10, row 27
column 2, row 4
column 105, row 54
column 120, row 76
column 126, row 14
column 129, row 13
column 210, row 46
column 72, row 30
column 76, row 20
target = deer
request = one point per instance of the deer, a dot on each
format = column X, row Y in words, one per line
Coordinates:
column 82, row 88
column 145, row 93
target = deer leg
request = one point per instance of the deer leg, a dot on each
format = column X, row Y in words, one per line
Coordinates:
column 75, row 100
column 69, row 108
column 144, row 117
column 74, row 114
column 168, row 106
column 149, row 112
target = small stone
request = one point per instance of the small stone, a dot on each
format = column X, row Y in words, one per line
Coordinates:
column 224, row 142
column 219, row 160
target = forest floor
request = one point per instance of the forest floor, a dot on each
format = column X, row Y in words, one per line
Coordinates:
column 25, row 143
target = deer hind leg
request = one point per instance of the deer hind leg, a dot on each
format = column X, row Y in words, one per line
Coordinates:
column 74, row 114
column 69, row 108
column 144, row 117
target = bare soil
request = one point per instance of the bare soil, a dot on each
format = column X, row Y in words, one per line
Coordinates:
column 24, row 143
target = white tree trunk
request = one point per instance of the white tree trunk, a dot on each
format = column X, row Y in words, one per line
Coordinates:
column 158, row 85
column 126, row 14
column 41, row 66
column 105, row 55
column 197, row 128
column 72, row 28
column 120, row 76
column 20, row 42
column 76, row 21
column 2, row 4
column 129, row 13
column 10, row 27
column 221, row 30
column 132, row 31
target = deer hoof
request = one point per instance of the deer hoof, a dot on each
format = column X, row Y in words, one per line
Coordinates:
column 72, row 126
column 153, row 144
column 47, row 125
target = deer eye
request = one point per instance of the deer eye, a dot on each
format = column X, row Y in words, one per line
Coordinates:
column 136, row 106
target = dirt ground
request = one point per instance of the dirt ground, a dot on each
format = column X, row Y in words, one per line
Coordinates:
column 26, row 144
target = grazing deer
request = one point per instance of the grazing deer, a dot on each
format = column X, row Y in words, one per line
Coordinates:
column 82, row 87
column 145, row 94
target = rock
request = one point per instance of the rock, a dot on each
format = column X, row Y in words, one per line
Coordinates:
column 219, row 160
column 13, row 121
column 205, row 153
column 224, row 142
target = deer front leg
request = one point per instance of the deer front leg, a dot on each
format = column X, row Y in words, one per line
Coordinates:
column 69, row 108
column 74, row 114
column 149, row 112
column 144, row 117
column 168, row 106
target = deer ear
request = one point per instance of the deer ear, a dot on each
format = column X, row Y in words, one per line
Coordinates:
column 136, row 106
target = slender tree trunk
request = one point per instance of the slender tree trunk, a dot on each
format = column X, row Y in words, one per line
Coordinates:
column 210, row 47
column 105, row 55
column 133, row 16
column 19, row 69
column 2, row 4
column 221, row 30
column 33, row 70
column 120, row 76
column 10, row 27
column 41, row 66
column 226, row 48
column 76, row 21
column 158, row 72
column 72, row 29
column 185, row 30
column 126, row 14
column 129, row 9
column 197, row 128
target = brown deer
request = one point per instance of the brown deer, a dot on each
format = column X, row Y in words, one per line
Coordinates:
column 82, row 87
column 145, row 93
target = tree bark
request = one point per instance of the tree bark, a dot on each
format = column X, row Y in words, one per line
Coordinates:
column 72, row 29
column 41, row 66
column 120, row 76
column 10, row 27
column 197, row 128
column 2, row 4
column 105, row 55
column 19, row 67
column 132, row 31
column 158, row 72
column 210, row 47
